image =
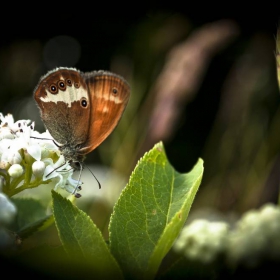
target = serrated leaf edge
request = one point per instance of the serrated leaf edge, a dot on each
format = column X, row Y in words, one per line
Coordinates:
column 148, row 274
column 126, row 188
column 98, row 230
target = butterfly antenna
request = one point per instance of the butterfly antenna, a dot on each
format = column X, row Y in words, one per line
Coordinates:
column 46, row 139
column 56, row 169
column 99, row 185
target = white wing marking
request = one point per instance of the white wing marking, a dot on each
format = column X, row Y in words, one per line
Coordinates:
column 69, row 96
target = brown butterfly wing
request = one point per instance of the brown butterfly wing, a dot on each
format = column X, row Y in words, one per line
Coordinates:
column 109, row 95
column 59, row 96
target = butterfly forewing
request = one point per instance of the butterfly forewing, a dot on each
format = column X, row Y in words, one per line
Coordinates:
column 59, row 95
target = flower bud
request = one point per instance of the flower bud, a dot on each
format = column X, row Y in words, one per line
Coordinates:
column 15, row 171
column 14, row 158
column 38, row 168
column 4, row 164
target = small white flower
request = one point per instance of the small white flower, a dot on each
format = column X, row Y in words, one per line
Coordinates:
column 7, row 210
column 8, row 120
column 4, row 149
column 62, row 172
column 72, row 185
column 6, row 133
column 18, row 126
column 15, row 171
column 14, row 158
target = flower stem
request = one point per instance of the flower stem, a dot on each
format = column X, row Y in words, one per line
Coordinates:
column 31, row 185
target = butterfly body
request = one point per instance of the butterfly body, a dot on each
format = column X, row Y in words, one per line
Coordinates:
column 80, row 110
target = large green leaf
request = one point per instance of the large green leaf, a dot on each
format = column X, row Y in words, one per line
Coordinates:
column 31, row 217
column 150, row 213
column 83, row 241
column 29, row 211
column 39, row 225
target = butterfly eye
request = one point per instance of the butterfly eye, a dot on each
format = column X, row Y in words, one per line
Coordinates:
column 53, row 89
column 69, row 82
column 61, row 85
column 114, row 91
column 84, row 103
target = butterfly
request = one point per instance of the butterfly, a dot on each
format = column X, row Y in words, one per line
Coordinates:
column 80, row 110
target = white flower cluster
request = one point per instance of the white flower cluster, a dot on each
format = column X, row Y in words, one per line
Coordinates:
column 202, row 240
column 254, row 239
column 29, row 159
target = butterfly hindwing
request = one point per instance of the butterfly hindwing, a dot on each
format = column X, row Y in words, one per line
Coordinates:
column 109, row 95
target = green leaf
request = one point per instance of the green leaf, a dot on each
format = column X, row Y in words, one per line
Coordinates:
column 29, row 211
column 36, row 226
column 83, row 241
column 150, row 213
column 31, row 217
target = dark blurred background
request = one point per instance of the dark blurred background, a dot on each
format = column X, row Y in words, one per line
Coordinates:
column 203, row 81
